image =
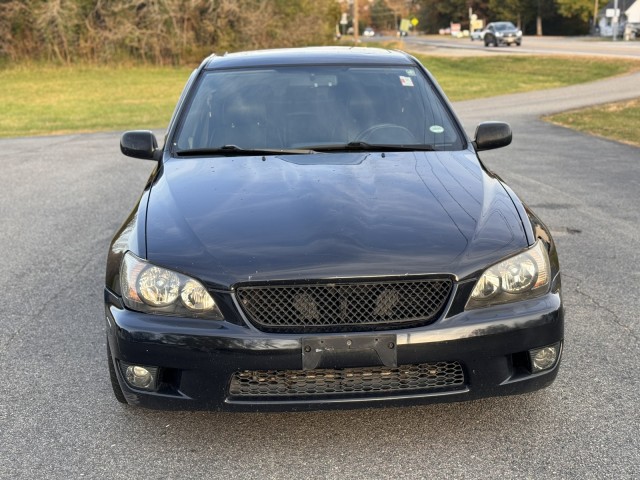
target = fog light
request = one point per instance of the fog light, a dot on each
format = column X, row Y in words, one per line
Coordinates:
column 141, row 377
column 544, row 358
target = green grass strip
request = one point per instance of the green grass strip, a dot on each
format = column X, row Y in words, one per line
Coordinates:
column 53, row 100
column 43, row 100
column 618, row 121
column 465, row 78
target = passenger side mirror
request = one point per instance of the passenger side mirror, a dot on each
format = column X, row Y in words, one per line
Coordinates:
column 491, row 135
column 140, row 144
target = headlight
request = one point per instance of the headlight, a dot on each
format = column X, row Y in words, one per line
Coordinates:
column 520, row 277
column 151, row 289
column 498, row 34
column 519, row 33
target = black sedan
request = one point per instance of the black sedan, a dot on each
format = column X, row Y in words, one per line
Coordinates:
column 319, row 232
column 502, row 33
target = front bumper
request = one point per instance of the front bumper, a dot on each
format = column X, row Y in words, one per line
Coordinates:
column 198, row 358
column 508, row 40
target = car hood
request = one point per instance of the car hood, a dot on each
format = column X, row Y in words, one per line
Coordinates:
column 226, row 220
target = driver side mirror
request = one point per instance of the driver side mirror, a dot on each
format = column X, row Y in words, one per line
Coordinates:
column 140, row 144
column 490, row 135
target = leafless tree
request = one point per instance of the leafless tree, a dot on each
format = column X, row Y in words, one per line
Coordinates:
column 157, row 31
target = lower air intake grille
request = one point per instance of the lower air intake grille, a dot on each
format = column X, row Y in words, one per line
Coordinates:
column 344, row 306
column 347, row 381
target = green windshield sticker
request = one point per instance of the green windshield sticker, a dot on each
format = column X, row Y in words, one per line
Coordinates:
column 436, row 129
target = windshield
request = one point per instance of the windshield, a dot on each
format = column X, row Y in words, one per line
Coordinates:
column 505, row 26
column 306, row 107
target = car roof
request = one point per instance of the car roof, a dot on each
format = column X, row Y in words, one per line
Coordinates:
column 310, row 56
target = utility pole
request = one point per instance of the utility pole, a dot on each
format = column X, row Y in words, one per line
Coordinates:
column 614, row 20
column 539, row 21
column 355, row 21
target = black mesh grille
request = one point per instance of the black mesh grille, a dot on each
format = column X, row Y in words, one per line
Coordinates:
column 347, row 381
column 343, row 306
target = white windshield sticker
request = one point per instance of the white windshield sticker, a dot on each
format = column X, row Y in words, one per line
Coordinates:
column 406, row 81
column 436, row 129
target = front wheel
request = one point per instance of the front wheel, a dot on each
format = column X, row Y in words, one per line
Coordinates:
column 518, row 43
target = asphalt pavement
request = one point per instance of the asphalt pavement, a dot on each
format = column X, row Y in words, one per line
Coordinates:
column 565, row 46
column 61, row 199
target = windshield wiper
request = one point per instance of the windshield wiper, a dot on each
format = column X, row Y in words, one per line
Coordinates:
column 369, row 147
column 234, row 150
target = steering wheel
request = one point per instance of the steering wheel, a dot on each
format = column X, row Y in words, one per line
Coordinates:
column 387, row 133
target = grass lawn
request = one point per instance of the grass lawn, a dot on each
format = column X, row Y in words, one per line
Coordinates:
column 41, row 100
column 48, row 100
column 618, row 121
column 464, row 78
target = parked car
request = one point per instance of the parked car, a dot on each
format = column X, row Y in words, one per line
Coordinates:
column 319, row 232
column 631, row 31
column 369, row 32
column 477, row 34
column 502, row 33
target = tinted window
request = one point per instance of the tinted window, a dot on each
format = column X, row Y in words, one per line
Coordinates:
column 505, row 26
column 296, row 107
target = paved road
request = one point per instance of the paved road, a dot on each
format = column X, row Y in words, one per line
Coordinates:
column 573, row 46
column 61, row 198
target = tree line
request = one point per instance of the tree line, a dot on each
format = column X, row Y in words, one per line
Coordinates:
column 182, row 31
column 560, row 17
column 158, row 31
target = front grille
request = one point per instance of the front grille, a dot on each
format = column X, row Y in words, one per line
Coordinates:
column 424, row 377
column 344, row 306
